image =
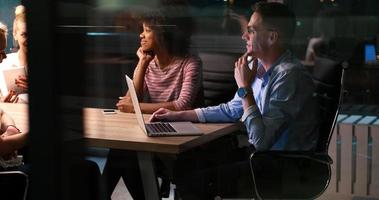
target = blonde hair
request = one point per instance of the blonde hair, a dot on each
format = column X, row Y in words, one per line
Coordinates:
column 19, row 16
column 19, row 10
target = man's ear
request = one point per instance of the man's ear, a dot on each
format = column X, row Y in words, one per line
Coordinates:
column 273, row 38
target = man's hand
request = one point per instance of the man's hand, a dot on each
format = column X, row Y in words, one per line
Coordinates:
column 22, row 82
column 242, row 73
column 125, row 105
column 163, row 114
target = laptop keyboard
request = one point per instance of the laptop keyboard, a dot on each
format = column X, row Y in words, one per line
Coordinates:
column 160, row 128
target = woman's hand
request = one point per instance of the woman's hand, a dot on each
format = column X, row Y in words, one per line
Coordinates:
column 145, row 56
column 22, row 82
column 12, row 97
column 125, row 105
column 11, row 130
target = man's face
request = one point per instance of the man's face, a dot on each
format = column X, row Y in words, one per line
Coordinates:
column 3, row 44
column 256, row 36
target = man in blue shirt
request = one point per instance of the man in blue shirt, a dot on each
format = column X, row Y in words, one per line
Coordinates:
column 274, row 100
column 275, row 96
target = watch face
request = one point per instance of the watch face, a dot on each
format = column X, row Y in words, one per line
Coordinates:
column 242, row 92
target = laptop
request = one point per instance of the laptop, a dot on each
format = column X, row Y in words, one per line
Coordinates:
column 370, row 54
column 154, row 129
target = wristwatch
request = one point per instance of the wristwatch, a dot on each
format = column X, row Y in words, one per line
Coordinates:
column 242, row 92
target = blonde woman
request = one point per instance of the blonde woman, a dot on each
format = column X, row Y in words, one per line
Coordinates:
column 19, row 58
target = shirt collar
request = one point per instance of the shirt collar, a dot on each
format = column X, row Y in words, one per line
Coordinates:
column 262, row 74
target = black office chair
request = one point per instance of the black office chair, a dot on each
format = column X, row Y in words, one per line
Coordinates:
column 13, row 185
column 303, row 174
column 218, row 77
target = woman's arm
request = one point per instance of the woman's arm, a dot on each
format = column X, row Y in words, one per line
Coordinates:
column 140, row 70
column 11, row 143
column 5, row 120
column 11, row 139
column 126, row 105
column 150, row 108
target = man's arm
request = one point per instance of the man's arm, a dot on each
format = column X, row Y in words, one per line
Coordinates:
column 167, row 115
column 244, row 77
column 288, row 95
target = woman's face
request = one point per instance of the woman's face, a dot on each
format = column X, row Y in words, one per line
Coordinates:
column 148, row 38
column 21, row 35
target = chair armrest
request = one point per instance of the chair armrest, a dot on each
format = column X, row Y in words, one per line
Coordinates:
column 4, row 173
column 318, row 157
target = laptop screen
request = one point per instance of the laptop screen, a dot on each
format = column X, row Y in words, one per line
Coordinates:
column 370, row 54
column 137, row 109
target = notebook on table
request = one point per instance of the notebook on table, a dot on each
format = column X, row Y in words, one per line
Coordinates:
column 153, row 129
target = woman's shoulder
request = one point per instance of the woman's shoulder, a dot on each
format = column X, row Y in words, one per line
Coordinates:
column 11, row 60
column 12, row 56
column 192, row 59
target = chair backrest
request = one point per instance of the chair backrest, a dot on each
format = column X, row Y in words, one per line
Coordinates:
column 328, row 79
column 218, row 77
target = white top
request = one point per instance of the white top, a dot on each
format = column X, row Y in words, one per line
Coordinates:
column 11, row 61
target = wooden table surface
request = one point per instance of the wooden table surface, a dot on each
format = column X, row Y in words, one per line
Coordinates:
column 122, row 131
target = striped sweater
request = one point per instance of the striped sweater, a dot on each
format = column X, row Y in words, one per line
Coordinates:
column 180, row 82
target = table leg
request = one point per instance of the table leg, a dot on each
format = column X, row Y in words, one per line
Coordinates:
column 149, row 178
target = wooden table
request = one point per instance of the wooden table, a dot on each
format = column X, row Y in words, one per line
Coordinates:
column 121, row 131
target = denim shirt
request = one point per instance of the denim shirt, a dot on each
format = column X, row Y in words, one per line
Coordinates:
column 286, row 113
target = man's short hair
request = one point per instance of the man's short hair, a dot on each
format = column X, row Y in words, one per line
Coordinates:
column 278, row 17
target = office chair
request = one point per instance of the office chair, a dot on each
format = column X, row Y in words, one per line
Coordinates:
column 218, row 77
column 13, row 185
column 303, row 174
